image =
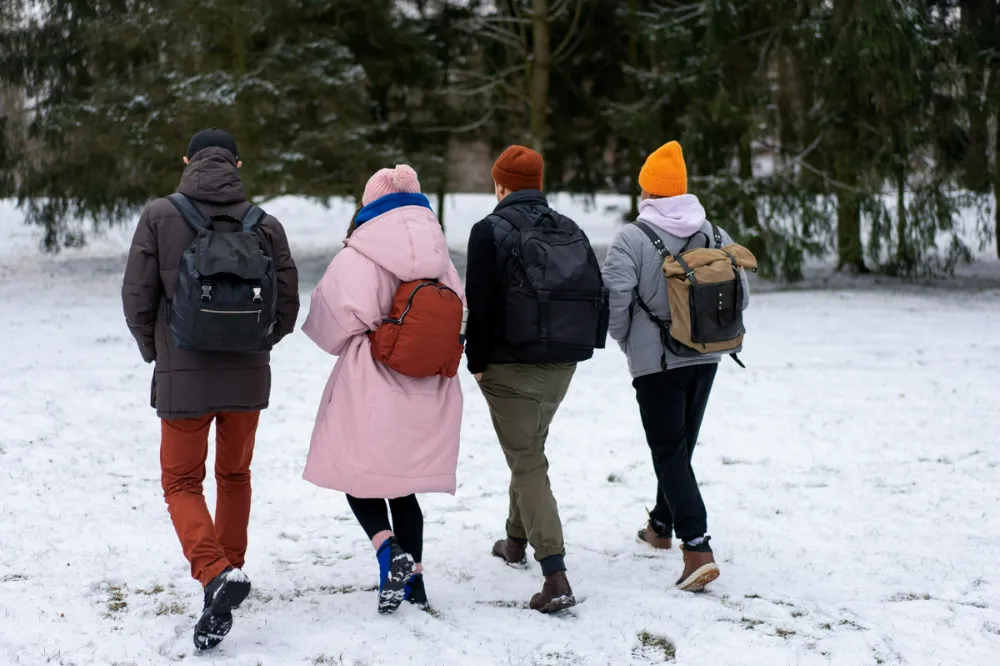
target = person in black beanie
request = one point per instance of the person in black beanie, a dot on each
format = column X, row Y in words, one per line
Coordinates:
column 212, row 138
column 192, row 389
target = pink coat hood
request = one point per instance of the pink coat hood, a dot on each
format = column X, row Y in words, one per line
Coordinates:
column 379, row 433
column 682, row 216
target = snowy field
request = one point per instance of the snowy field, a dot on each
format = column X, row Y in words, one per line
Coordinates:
column 851, row 475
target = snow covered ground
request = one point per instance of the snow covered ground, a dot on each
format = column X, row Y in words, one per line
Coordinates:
column 850, row 473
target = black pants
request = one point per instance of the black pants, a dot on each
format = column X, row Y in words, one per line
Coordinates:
column 407, row 521
column 672, row 405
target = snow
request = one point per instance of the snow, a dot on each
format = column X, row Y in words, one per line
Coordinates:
column 850, row 475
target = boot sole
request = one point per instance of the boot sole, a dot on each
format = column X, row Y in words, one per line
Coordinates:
column 697, row 581
column 639, row 539
column 523, row 564
column 216, row 621
column 558, row 605
column 390, row 597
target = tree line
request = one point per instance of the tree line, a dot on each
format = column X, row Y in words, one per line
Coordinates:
column 864, row 128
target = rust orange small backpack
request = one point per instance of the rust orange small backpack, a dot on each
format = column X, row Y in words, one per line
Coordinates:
column 423, row 334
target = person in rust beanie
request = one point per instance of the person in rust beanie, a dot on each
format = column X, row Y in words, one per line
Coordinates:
column 523, row 384
column 518, row 168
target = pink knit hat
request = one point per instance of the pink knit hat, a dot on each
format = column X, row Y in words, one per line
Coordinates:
column 391, row 181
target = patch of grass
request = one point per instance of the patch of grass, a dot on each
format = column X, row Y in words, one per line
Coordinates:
column 661, row 644
column 324, row 660
column 784, row 633
column 750, row 623
column 173, row 608
column 430, row 610
column 797, row 613
column 909, row 596
column 991, row 628
column 614, row 478
column 116, row 599
column 13, row 578
column 156, row 589
column 751, row 596
column 725, row 460
column 291, row 537
column 504, row 604
column 852, row 624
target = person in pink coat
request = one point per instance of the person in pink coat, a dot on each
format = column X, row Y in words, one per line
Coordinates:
column 380, row 435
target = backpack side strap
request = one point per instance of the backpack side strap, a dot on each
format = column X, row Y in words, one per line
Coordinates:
column 252, row 218
column 189, row 212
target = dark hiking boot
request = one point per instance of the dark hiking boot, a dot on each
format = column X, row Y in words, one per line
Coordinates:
column 395, row 571
column 649, row 536
column 556, row 595
column 700, row 568
column 222, row 596
column 512, row 551
column 415, row 593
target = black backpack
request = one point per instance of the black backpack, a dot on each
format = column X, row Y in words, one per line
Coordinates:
column 555, row 301
column 225, row 295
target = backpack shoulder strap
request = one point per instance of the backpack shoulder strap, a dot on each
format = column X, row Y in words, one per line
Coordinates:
column 651, row 235
column 252, row 217
column 189, row 212
column 509, row 219
column 716, row 236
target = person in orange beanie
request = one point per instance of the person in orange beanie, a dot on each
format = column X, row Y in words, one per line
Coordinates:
column 523, row 364
column 672, row 389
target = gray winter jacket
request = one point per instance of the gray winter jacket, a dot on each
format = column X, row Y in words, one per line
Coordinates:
column 633, row 261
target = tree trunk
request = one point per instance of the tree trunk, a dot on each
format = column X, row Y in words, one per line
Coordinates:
column 442, row 190
column 996, row 184
column 634, row 165
column 786, row 108
column 850, row 248
column 976, row 166
column 903, row 256
column 540, row 74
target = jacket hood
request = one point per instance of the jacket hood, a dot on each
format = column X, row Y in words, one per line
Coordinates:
column 212, row 177
column 407, row 241
column 682, row 216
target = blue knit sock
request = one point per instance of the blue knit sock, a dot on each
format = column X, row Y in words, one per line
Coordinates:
column 384, row 556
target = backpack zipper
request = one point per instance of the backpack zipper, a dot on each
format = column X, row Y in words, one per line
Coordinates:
column 232, row 312
column 409, row 301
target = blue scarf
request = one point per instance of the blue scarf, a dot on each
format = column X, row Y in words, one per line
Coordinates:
column 383, row 205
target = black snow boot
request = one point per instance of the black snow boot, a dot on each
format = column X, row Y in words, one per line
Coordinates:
column 222, row 596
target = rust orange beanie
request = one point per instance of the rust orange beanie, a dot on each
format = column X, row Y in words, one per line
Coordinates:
column 664, row 173
column 519, row 168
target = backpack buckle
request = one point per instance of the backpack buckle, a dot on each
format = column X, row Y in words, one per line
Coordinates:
column 257, row 298
column 206, row 292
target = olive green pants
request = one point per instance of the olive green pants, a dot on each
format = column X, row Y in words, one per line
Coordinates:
column 523, row 400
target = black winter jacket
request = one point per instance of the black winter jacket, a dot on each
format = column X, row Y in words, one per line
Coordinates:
column 490, row 244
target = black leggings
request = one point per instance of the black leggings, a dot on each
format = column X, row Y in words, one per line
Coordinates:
column 407, row 521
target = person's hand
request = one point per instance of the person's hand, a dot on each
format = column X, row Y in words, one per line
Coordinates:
column 478, row 376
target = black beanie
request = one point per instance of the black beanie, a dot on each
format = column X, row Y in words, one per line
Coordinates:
column 213, row 138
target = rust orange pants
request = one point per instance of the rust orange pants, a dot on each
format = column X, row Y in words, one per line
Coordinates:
column 209, row 546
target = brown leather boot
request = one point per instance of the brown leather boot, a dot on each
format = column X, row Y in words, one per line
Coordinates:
column 648, row 535
column 556, row 595
column 700, row 568
column 512, row 551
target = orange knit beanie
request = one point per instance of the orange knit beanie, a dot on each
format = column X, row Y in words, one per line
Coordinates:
column 519, row 168
column 664, row 173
